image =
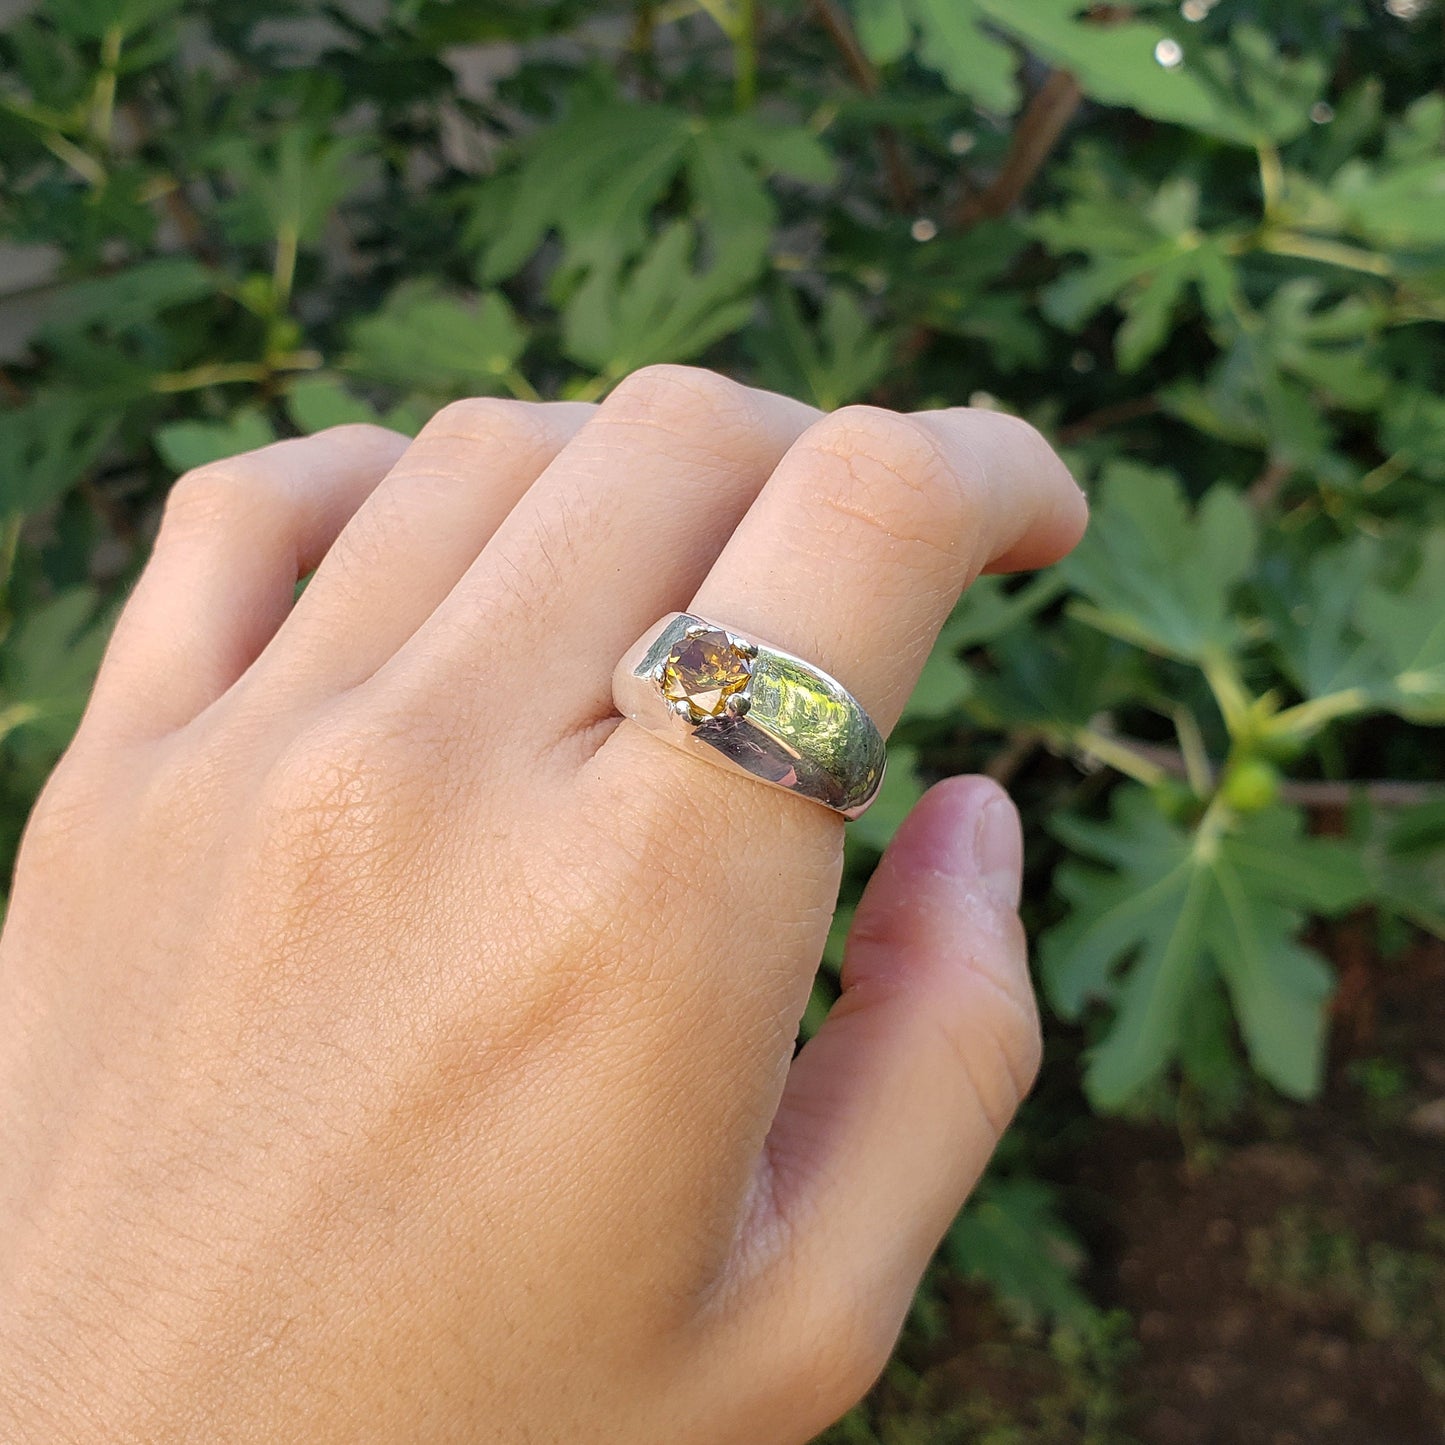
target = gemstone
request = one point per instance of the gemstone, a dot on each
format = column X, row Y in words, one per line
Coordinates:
column 704, row 671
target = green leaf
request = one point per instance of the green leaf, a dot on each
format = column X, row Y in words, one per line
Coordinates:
column 660, row 309
column 779, row 149
column 1010, row 1237
column 1313, row 609
column 1145, row 254
column 187, row 444
column 1331, row 348
column 1269, row 91
column 47, row 666
column 1158, row 576
column 128, row 298
column 1246, row 92
column 318, row 402
column 884, row 29
column 598, row 176
column 1413, row 430
column 1248, row 400
column 952, row 39
column 1341, row 622
column 901, row 789
column 1208, row 1054
column 1404, row 855
column 287, row 188
column 1408, row 627
column 995, row 605
column 48, row 445
column 942, row 688
column 594, row 177
column 1114, row 63
column 1402, row 206
column 90, row 19
column 1054, row 681
column 1279, row 988
column 441, row 343
column 1171, row 909
column 834, row 359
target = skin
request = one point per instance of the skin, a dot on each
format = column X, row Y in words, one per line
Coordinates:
column 395, row 1045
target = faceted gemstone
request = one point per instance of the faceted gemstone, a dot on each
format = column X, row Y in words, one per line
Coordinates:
column 705, row 671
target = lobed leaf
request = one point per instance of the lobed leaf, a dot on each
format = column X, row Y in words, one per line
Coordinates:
column 1157, row 575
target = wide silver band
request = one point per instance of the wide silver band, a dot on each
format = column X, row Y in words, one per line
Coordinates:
column 768, row 713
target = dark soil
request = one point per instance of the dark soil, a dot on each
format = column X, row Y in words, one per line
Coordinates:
column 1239, row 1345
column 1278, row 1282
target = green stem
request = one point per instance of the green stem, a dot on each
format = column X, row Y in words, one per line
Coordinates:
column 1331, row 253
column 591, row 390
column 1210, row 828
column 15, row 716
column 1118, row 756
column 81, row 162
column 102, row 104
column 1389, row 470
column 223, row 372
column 283, row 274
column 42, row 117
column 1271, row 178
column 1194, row 753
column 722, row 12
column 1308, row 717
column 519, row 386
column 745, row 55
column 1228, row 688
column 9, row 546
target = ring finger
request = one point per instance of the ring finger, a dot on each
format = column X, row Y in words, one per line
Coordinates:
column 852, row 556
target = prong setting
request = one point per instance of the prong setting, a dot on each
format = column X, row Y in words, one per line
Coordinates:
column 704, row 672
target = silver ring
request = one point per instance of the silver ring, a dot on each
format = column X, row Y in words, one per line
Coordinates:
column 738, row 702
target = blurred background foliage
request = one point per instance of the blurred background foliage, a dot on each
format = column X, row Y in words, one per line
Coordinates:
column 1201, row 245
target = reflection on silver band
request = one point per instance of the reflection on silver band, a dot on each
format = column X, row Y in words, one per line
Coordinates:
column 735, row 701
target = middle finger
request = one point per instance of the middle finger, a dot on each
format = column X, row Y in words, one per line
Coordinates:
column 631, row 513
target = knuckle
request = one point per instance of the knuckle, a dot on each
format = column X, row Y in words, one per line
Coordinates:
column 362, row 436
column 667, row 392
column 1023, row 438
column 494, row 420
column 902, row 443
column 218, row 494
column 890, row 474
column 64, row 815
column 338, row 810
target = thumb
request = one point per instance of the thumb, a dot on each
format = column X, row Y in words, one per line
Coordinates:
column 891, row 1111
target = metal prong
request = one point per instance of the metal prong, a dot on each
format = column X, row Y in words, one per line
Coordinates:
column 695, row 629
column 657, row 672
column 743, row 646
column 738, row 704
column 683, row 708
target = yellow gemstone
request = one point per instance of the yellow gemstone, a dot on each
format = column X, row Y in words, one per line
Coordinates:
column 704, row 671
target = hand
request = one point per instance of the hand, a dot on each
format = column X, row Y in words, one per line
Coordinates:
column 396, row 1046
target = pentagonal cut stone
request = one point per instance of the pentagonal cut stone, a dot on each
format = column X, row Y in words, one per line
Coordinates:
column 705, row 671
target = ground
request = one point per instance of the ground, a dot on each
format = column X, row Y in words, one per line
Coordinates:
column 1279, row 1281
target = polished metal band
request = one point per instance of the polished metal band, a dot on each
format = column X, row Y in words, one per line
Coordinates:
column 735, row 701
